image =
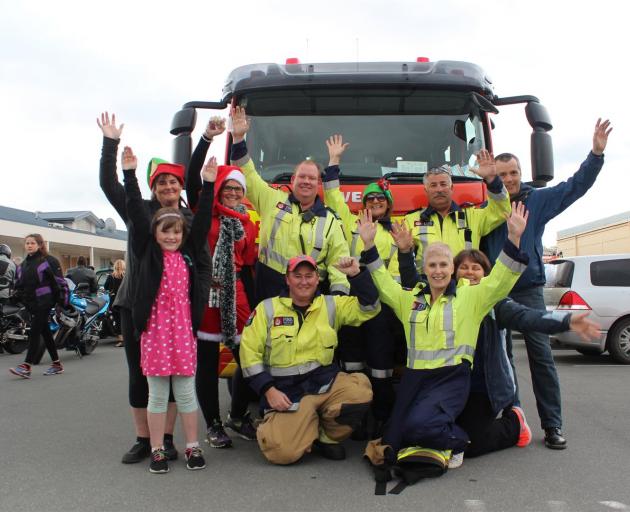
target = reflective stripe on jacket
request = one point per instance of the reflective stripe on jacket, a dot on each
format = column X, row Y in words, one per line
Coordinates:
column 286, row 232
column 279, row 342
column 387, row 249
column 461, row 228
column 445, row 333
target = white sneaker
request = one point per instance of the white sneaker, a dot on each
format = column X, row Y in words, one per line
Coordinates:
column 457, row 459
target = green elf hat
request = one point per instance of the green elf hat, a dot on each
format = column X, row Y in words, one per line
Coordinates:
column 158, row 166
column 379, row 187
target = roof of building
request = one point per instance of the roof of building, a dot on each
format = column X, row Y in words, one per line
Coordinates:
column 596, row 224
column 44, row 219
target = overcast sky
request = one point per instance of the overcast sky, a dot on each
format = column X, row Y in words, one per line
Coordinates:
column 62, row 63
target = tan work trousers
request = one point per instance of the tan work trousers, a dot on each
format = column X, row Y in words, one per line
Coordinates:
column 284, row 437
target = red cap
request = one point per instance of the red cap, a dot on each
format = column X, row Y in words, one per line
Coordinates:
column 302, row 258
column 176, row 170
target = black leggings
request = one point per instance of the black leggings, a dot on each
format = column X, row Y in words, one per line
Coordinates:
column 207, row 383
column 40, row 327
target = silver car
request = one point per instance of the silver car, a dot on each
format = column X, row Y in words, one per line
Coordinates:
column 599, row 285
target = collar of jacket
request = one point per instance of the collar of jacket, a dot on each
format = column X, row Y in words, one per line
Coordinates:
column 429, row 211
column 318, row 208
column 423, row 287
column 522, row 193
column 285, row 298
column 386, row 223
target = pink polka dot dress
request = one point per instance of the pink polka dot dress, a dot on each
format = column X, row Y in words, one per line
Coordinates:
column 168, row 346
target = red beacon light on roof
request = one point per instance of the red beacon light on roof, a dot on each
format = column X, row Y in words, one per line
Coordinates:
column 422, row 59
column 292, row 60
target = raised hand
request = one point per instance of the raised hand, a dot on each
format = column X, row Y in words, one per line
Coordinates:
column 600, row 137
column 209, row 171
column 402, row 236
column 108, row 128
column 336, row 147
column 216, row 126
column 367, row 228
column 487, row 167
column 516, row 222
column 348, row 265
column 129, row 160
column 587, row 329
column 240, row 123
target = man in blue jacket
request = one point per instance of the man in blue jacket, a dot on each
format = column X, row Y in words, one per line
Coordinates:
column 543, row 205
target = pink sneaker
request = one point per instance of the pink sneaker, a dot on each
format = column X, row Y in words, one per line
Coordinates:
column 525, row 437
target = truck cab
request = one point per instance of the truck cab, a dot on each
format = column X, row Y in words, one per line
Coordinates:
column 400, row 118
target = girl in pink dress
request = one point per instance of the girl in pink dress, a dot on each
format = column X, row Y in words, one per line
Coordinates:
column 169, row 296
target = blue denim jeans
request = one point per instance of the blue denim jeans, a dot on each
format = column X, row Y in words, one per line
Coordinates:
column 541, row 365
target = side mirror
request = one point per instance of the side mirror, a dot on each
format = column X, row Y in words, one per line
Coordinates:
column 184, row 121
column 541, row 144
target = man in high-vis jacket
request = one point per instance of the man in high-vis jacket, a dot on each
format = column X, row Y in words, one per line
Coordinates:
column 287, row 350
column 441, row 321
column 445, row 221
column 290, row 223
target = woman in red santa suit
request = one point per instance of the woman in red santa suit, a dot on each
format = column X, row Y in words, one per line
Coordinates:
column 232, row 242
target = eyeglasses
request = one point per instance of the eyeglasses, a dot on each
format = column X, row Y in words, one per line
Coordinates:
column 376, row 197
column 230, row 188
column 442, row 169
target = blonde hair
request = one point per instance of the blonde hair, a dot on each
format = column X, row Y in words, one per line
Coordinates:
column 119, row 269
column 439, row 248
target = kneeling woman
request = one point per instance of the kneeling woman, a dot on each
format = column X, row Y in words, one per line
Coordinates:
column 441, row 324
column 492, row 386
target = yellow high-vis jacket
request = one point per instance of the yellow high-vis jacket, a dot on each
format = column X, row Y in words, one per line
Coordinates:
column 462, row 228
column 445, row 333
column 280, row 341
column 286, row 231
column 387, row 249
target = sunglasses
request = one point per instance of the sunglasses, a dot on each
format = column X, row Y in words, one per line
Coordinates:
column 376, row 197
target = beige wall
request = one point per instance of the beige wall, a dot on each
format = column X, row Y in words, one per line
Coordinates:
column 608, row 240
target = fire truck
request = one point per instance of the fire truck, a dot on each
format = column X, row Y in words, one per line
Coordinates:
column 401, row 118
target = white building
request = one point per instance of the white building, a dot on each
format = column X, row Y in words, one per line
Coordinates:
column 68, row 234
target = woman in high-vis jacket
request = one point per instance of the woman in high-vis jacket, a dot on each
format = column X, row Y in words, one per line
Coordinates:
column 441, row 322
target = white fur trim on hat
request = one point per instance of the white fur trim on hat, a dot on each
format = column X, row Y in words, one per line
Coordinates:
column 237, row 176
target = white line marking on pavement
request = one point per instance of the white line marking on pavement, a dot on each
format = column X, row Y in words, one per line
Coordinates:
column 614, row 505
column 475, row 505
column 558, row 506
column 600, row 365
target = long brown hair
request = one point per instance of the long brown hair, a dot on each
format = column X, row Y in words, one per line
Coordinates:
column 41, row 243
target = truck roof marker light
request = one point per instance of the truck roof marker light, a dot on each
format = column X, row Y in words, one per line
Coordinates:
column 422, row 59
column 292, row 60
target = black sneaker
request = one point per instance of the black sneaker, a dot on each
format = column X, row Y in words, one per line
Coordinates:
column 217, row 437
column 159, row 463
column 554, row 439
column 137, row 453
column 194, row 458
column 329, row 450
column 169, row 449
column 244, row 426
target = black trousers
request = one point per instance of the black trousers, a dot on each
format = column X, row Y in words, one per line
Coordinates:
column 40, row 327
column 487, row 433
column 207, row 383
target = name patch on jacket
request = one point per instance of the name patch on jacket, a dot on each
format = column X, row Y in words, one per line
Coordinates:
column 283, row 206
column 419, row 306
column 423, row 223
column 283, row 320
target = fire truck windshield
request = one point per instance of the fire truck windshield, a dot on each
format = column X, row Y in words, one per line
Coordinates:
column 382, row 142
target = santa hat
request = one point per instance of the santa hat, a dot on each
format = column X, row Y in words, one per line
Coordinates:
column 234, row 173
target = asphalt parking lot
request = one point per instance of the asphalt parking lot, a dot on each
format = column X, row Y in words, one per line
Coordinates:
column 62, row 438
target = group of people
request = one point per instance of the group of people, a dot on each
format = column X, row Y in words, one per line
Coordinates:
column 317, row 305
